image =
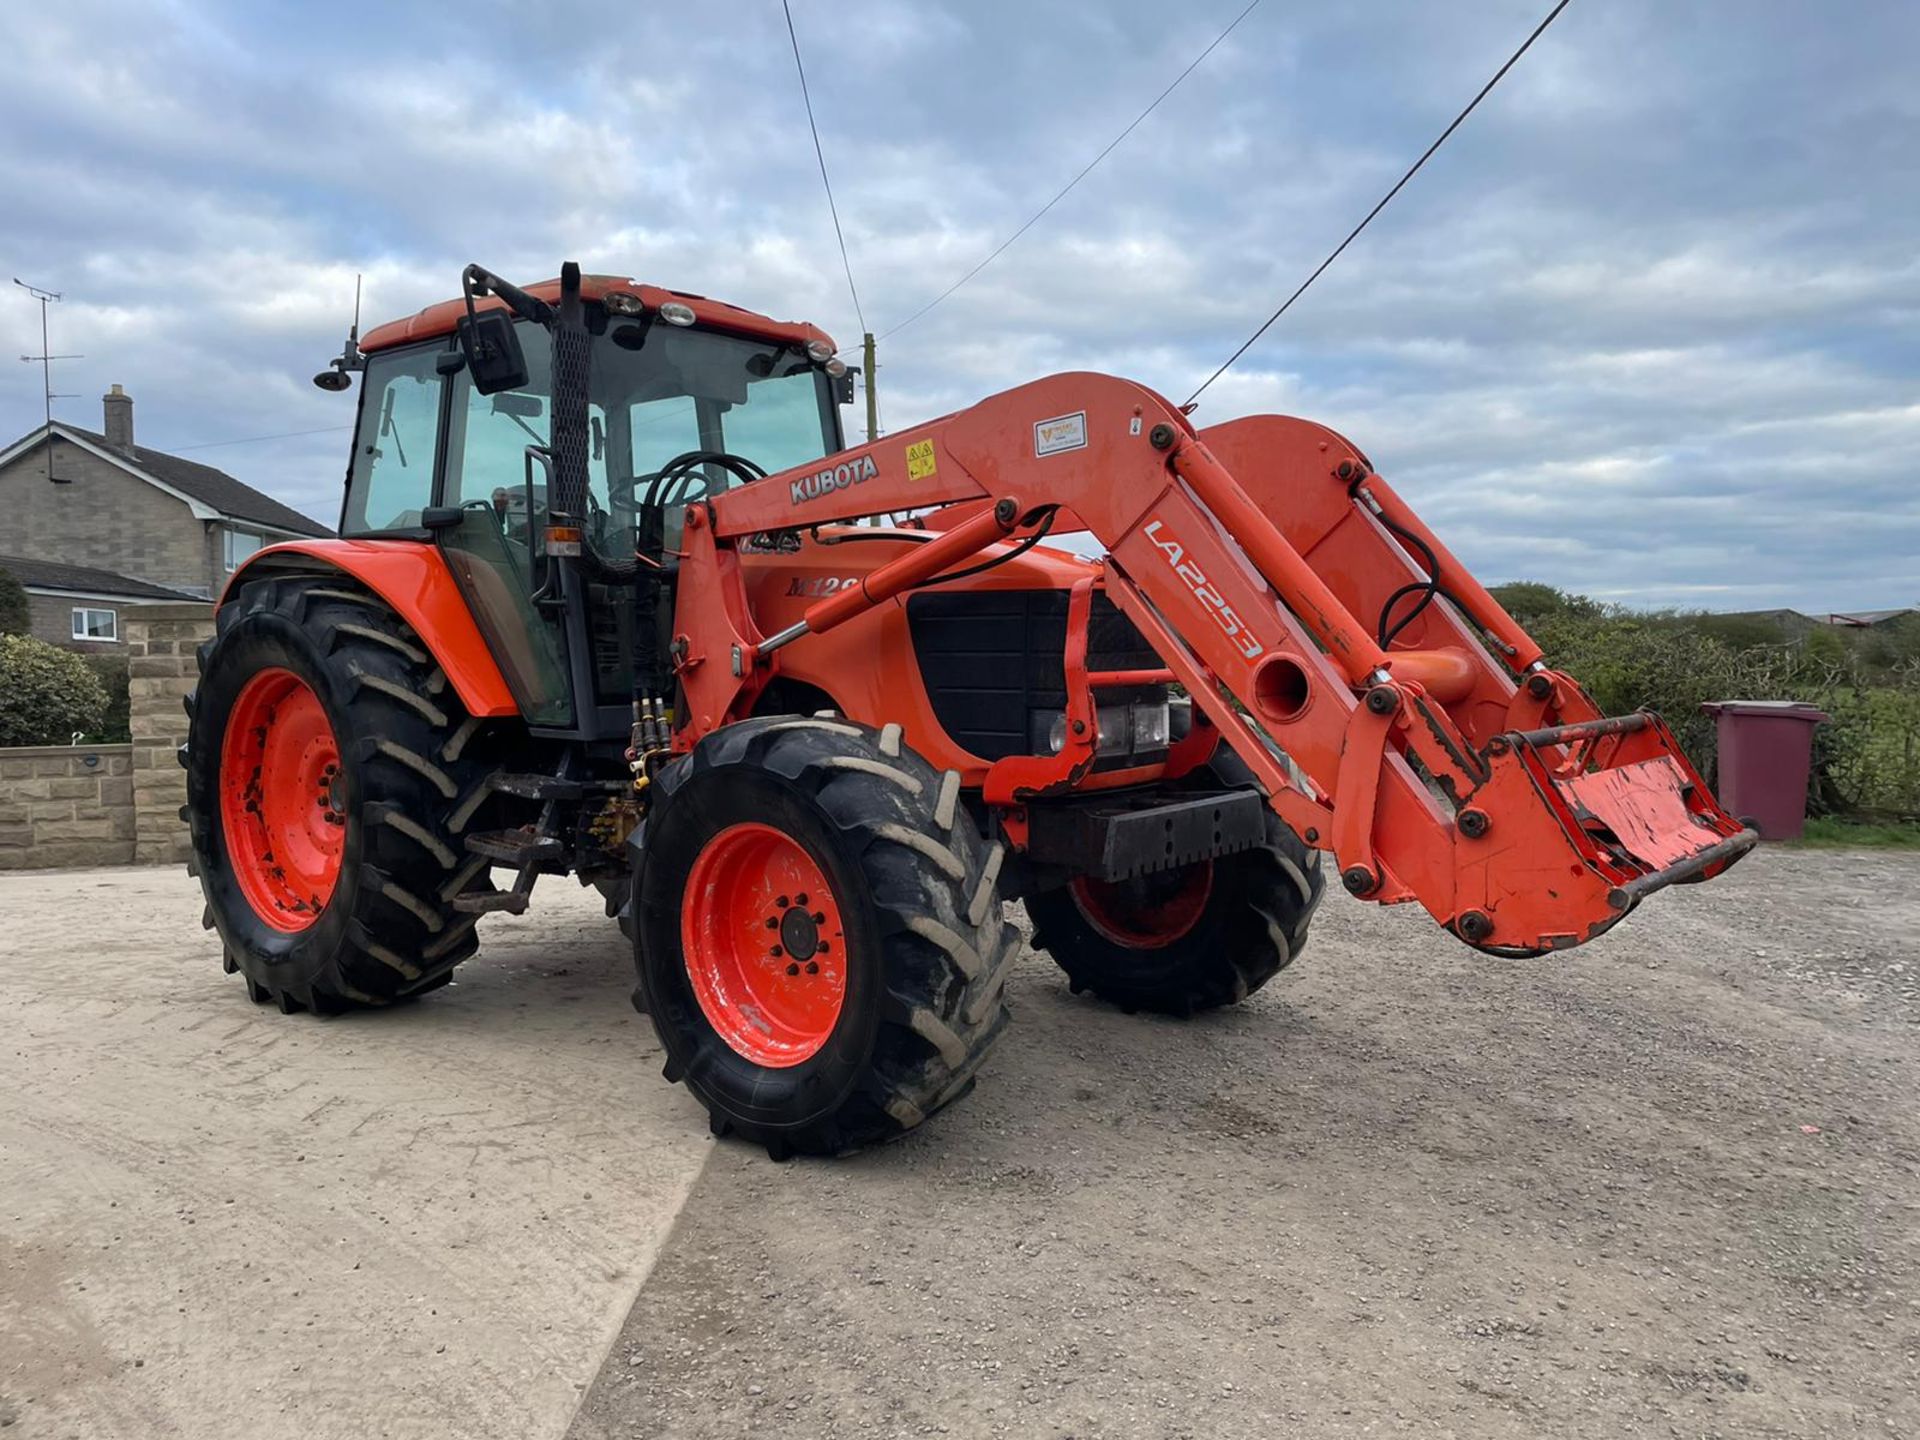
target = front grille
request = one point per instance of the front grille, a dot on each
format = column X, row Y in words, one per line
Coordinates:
column 989, row 658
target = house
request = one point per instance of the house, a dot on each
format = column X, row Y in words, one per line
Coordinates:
column 81, row 500
column 78, row 606
column 1871, row 619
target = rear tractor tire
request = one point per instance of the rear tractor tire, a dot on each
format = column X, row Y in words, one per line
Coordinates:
column 1192, row 938
column 818, row 933
column 332, row 774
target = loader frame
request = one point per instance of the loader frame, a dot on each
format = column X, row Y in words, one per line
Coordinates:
column 1492, row 792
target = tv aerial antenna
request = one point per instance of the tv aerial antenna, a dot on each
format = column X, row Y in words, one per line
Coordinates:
column 45, row 360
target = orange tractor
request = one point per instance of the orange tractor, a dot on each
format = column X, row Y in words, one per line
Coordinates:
column 601, row 606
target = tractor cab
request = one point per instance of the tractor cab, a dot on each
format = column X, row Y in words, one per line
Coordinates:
column 684, row 398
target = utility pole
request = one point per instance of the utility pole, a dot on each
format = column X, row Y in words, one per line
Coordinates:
column 46, row 357
column 873, row 403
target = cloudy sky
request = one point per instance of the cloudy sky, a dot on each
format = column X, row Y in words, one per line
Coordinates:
column 1645, row 328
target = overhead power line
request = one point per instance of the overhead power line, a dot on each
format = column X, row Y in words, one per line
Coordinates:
column 1085, row 171
column 1267, row 324
column 260, row 439
column 821, row 156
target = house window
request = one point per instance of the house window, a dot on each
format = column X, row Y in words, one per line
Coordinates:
column 240, row 545
column 91, row 624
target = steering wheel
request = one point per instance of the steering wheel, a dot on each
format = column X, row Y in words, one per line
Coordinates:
column 672, row 482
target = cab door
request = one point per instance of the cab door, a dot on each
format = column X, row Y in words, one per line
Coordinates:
column 493, row 507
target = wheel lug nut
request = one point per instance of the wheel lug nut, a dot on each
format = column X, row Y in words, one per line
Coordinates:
column 819, row 917
column 782, row 902
column 793, row 969
column 773, row 922
column 776, row 952
column 813, row 967
column 800, row 899
column 823, row 947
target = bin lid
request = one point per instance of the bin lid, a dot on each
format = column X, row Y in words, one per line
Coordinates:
column 1778, row 709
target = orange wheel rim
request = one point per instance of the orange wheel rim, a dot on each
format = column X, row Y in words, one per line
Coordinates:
column 1147, row 913
column 764, row 944
column 281, row 804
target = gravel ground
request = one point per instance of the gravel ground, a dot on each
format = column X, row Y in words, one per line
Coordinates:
column 225, row 1223
column 1664, row 1185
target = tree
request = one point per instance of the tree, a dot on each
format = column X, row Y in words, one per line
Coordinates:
column 15, row 609
column 1531, row 600
column 47, row 695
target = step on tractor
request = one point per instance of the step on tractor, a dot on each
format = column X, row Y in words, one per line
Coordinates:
column 614, row 598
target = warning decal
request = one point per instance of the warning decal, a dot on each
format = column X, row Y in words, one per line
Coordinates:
column 920, row 460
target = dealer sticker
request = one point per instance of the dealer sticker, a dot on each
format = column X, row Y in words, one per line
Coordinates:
column 1062, row 433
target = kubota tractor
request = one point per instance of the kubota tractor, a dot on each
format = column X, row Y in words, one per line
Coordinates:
column 600, row 607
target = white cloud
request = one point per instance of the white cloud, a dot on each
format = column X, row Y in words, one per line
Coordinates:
column 1643, row 328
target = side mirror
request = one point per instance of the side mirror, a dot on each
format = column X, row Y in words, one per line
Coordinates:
column 494, row 358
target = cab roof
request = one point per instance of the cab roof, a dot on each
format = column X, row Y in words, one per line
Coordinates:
column 438, row 320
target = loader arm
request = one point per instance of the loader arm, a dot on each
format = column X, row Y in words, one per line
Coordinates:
column 1492, row 792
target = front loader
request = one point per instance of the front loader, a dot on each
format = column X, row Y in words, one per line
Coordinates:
column 602, row 606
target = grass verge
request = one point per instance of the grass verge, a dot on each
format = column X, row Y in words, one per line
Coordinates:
column 1829, row 834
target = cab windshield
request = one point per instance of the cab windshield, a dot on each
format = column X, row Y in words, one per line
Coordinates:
column 655, row 394
column 682, row 390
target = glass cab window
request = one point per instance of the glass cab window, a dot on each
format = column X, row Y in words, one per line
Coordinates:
column 689, row 390
column 391, row 479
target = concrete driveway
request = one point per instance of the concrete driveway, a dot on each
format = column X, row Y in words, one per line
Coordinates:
column 216, row 1220
column 1668, row 1184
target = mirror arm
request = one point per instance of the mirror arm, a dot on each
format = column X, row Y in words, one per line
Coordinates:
column 478, row 280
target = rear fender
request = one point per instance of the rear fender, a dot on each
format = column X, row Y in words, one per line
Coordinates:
column 413, row 578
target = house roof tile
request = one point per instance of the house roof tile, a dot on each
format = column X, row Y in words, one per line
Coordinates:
column 85, row 580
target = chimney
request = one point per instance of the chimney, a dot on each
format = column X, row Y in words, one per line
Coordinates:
column 118, row 406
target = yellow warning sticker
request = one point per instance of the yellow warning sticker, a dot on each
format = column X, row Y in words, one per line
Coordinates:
column 920, row 461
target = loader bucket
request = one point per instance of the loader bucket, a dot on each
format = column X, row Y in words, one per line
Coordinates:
column 1629, row 806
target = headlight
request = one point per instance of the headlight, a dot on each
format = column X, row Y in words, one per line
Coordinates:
column 1051, row 731
column 675, row 313
column 1124, row 729
column 1151, row 728
column 819, row 351
column 622, row 302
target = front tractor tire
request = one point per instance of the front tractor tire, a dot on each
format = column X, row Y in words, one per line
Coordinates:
column 1192, row 938
column 331, row 777
column 818, row 933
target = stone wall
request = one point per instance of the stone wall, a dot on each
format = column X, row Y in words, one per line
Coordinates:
column 161, row 668
column 66, row 805
column 113, row 804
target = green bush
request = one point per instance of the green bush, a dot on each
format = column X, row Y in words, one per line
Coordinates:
column 1529, row 600
column 47, row 694
column 115, row 727
column 1866, row 760
column 15, row 610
